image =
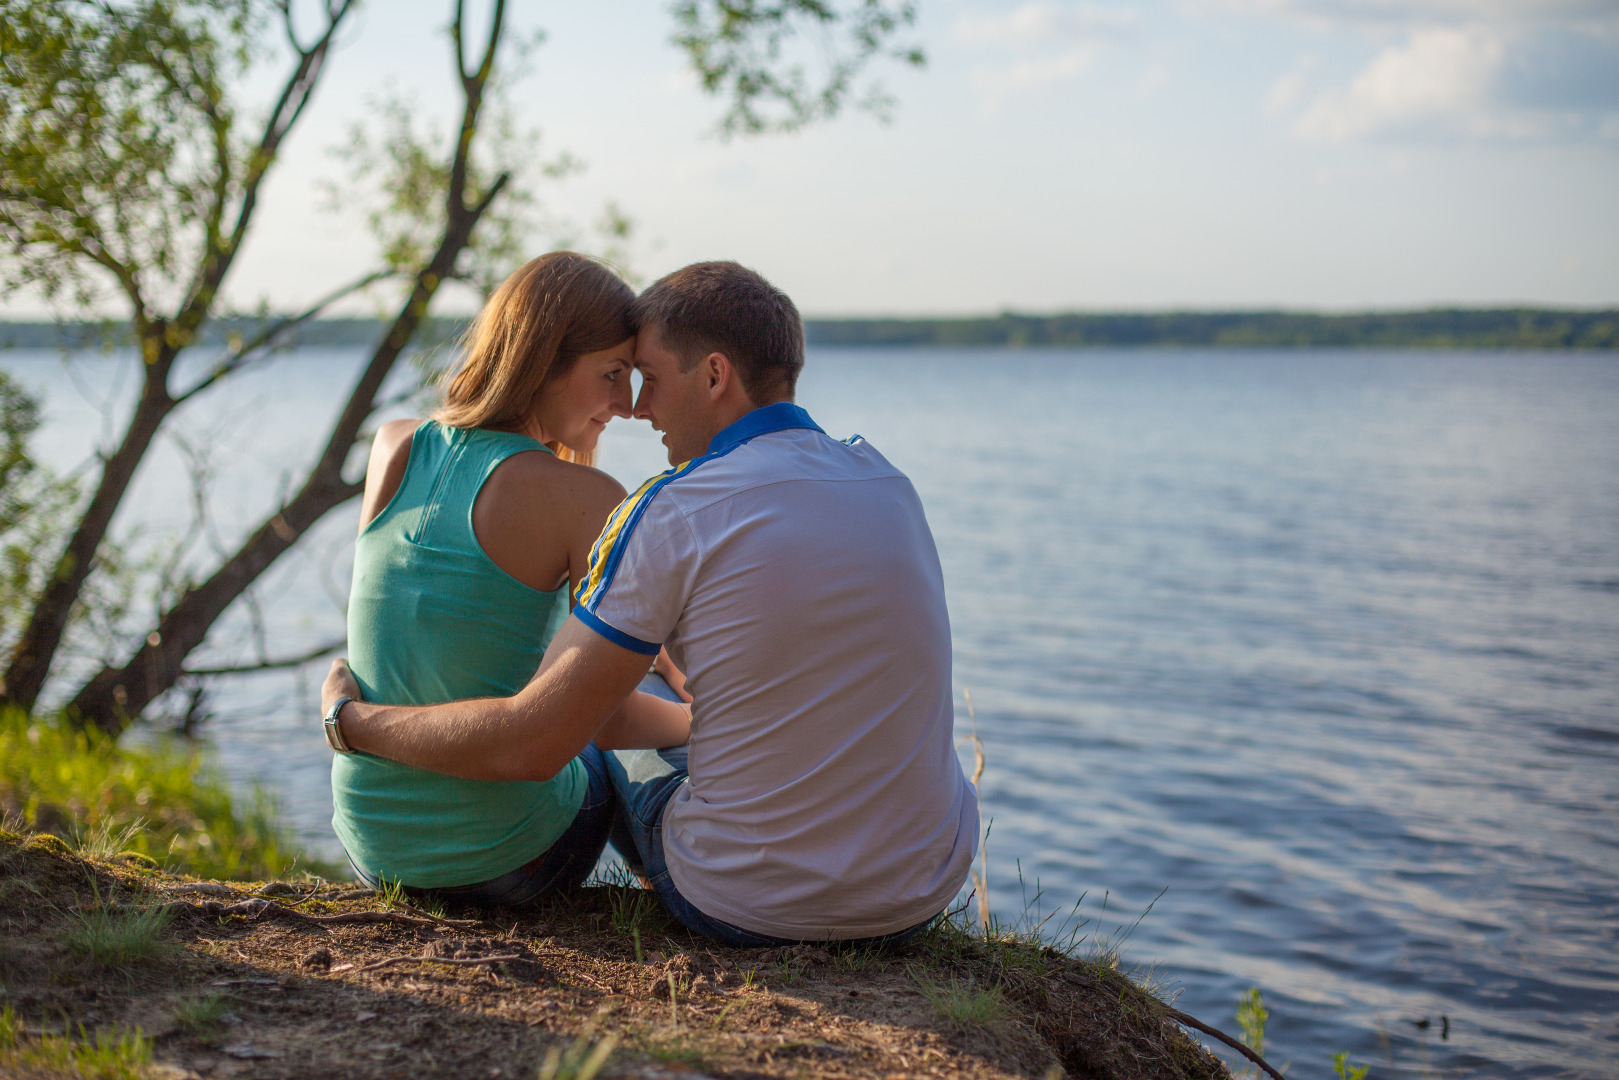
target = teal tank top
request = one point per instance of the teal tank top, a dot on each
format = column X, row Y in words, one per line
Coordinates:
column 431, row 619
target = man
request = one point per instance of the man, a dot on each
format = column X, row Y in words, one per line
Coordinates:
column 794, row 580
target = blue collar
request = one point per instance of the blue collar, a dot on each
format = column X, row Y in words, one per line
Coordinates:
column 781, row 416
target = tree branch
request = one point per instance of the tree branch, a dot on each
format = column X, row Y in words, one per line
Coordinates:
column 244, row 353
column 472, row 87
column 289, row 106
column 489, row 196
column 272, row 665
column 456, row 37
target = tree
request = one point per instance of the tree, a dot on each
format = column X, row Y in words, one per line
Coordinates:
column 124, row 164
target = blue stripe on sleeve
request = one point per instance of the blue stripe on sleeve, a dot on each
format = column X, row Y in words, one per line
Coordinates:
column 615, row 635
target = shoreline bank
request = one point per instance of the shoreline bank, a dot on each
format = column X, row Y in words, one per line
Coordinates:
column 309, row 978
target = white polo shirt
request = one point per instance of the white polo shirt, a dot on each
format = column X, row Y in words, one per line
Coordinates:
column 794, row 579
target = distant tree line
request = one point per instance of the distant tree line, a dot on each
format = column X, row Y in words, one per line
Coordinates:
column 1489, row 328
column 1469, row 328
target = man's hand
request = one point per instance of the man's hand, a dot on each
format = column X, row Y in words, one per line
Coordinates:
column 530, row 736
column 340, row 683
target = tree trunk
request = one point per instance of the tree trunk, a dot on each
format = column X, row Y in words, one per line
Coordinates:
column 34, row 653
column 116, row 695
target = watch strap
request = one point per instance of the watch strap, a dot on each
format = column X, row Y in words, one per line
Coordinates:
column 334, row 733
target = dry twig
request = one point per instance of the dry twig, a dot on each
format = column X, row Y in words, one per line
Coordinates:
column 464, row 961
column 1193, row 1022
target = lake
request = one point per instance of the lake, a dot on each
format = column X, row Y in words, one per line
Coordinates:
column 1314, row 652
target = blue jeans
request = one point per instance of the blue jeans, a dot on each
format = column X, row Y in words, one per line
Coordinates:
column 564, row 865
column 644, row 781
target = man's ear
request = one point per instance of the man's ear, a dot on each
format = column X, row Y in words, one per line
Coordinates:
column 720, row 374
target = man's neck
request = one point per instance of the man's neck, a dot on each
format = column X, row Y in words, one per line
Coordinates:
column 729, row 412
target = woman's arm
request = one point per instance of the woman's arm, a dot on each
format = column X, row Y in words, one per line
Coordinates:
column 646, row 722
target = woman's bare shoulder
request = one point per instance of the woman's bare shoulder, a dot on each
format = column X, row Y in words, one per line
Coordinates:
column 396, row 433
column 537, row 515
column 549, row 484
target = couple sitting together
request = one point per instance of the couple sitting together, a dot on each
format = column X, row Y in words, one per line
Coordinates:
column 792, row 777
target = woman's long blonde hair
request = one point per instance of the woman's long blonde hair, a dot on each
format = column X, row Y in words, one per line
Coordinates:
column 549, row 313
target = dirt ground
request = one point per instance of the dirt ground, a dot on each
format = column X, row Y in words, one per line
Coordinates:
column 310, row 979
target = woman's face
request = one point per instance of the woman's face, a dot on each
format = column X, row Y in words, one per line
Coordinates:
column 574, row 409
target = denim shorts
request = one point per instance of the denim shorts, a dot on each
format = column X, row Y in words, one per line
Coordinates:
column 564, row 865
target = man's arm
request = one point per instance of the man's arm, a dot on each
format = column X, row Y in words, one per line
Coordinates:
column 581, row 682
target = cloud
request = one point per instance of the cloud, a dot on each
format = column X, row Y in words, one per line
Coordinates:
column 1436, row 73
column 1428, row 12
column 1051, row 42
column 1025, row 74
column 1477, row 80
column 1287, row 90
column 1040, row 23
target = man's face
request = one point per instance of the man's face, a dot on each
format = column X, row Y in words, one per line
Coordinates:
column 678, row 403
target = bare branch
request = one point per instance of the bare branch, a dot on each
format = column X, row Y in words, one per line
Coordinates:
column 325, row 649
column 289, row 106
column 489, row 196
column 256, row 347
column 1193, row 1022
column 473, row 87
column 457, row 37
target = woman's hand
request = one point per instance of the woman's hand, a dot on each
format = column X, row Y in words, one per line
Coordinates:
column 340, row 683
column 672, row 675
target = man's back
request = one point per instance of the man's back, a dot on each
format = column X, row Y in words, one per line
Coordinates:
column 794, row 578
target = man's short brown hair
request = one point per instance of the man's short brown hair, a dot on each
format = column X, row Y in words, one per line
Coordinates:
column 726, row 308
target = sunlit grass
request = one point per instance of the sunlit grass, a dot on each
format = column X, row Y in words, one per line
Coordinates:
column 165, row 802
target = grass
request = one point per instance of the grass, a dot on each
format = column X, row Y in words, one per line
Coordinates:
column 201, row 1012
column 392, row 896
column 101, row 1056
column 164, row 803
column 860, row 959
column 962, row 1001
column 108, row 839
column 118, row 936
column 581, row 1061
column 633, row 911
column 788, row 970
column 680, row 1049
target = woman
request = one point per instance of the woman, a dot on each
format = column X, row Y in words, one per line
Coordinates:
column 473, row 527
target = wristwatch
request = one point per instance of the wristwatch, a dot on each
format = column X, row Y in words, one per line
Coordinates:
column 334, row 734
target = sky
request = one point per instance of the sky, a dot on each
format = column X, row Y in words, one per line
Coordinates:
column 1307, row 154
